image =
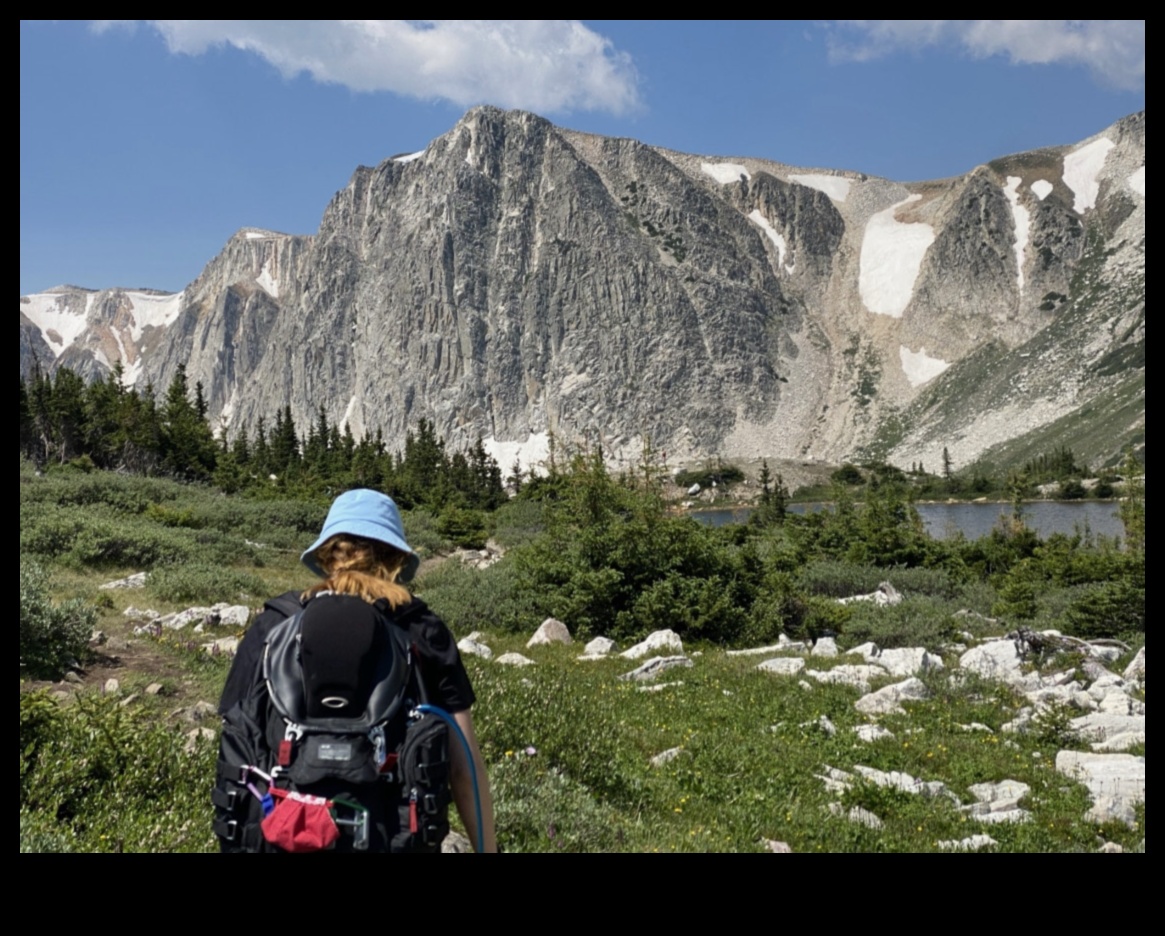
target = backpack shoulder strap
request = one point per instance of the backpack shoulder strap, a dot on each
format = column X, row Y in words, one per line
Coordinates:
column 287, row 604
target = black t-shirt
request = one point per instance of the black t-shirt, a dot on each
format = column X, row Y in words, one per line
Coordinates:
column 445, row 679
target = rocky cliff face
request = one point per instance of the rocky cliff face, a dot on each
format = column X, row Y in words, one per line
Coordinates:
column 515, row 279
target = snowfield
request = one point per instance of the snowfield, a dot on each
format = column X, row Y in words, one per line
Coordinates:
column 835, row 187
column 1081, row 168
column 59, row 326
column 150, row 310
column 1021, row 217
column 1137, row 181
column 530, row 454
column 267, row 282
column 774, row 235
column 919, row 367
column 891, row 255
column 1041, row 188
column 410, row 157
column 725, row 172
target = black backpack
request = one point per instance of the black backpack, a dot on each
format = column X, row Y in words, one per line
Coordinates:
column 328, row 750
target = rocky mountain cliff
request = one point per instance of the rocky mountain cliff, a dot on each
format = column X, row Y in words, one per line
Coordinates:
column 515, row 279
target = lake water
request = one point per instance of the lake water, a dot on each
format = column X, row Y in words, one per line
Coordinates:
column 974, row 520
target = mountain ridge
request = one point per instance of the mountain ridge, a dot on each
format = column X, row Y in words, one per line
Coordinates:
column 514, row 279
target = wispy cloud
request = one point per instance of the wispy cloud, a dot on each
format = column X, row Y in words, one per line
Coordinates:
column 549, row 67
column 1114, row 50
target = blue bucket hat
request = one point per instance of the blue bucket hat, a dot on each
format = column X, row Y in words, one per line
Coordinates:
column 368, row 514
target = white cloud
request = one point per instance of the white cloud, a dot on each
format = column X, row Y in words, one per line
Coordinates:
column 1113, row 49
column 544, row 66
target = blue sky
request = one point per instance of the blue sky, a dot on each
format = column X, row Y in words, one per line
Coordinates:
column 144, row 146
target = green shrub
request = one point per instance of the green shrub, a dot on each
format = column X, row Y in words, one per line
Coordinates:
column 465, row 528
column 486, row 599
column 540, row 809
column 1113, row 609
column 51, row 635
column 204, row 582
column 722, row 475
column 839, row 579
column 97, row 776
column 847, row 474
column 920, row 621
column 518, row 522
column 421, row 532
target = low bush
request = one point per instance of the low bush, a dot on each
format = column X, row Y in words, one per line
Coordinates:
column 839, row 579
column 468, row 529
column 920, row 621
column 486, row 599
column 204, row 582
column 1113, row 609
column 706, row 477
column 96, row 776
column 51, row 635
column 422, row 533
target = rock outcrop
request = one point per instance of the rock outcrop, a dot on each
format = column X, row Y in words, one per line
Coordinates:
column 516, row 279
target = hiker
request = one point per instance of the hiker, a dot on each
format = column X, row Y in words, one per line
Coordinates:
column 362, row 556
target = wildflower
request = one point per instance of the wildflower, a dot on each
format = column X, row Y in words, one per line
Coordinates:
column 531, row 751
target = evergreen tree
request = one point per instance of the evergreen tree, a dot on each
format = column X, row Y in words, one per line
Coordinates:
column 106, row 429
column 68, row 414
column 27, row 431
column 40, row 405
column 261, row 451
column 284, row 443
column 190, row 449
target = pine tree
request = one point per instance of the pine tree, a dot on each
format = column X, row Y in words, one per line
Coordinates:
column 284, row 443
column 190, row 450
column 27, row 430
column 68, row 413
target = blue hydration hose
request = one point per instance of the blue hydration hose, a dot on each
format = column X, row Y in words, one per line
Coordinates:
column 449, row 720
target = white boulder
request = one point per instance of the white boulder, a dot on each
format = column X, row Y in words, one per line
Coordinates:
column 655, row 666
column 655, row 642
column 997, row 659
column 550, row 631
column 782, row 666
column 514, row 659
column 889, row 699
column 1116, row 782
column 474, row 647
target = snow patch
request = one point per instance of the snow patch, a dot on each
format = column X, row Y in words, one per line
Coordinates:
column 1041, row 188
column 59, row 325
column 267, row 282
column 410, row 157
column 774, row 235
column 835, row 187
column 920, row 367
column 530, row 454
column 1081, row 167
column 150, row 310
column 131, row 372
column 259, row 235
column 1137, row 181
column 725, row 172
column 891, row 256
column 351, row 408
column 228, row 409
column 1021, row 217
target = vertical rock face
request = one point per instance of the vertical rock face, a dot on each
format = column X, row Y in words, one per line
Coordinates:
column 515, row 279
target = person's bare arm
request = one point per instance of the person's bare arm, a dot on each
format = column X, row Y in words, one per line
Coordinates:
column 462, row 784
